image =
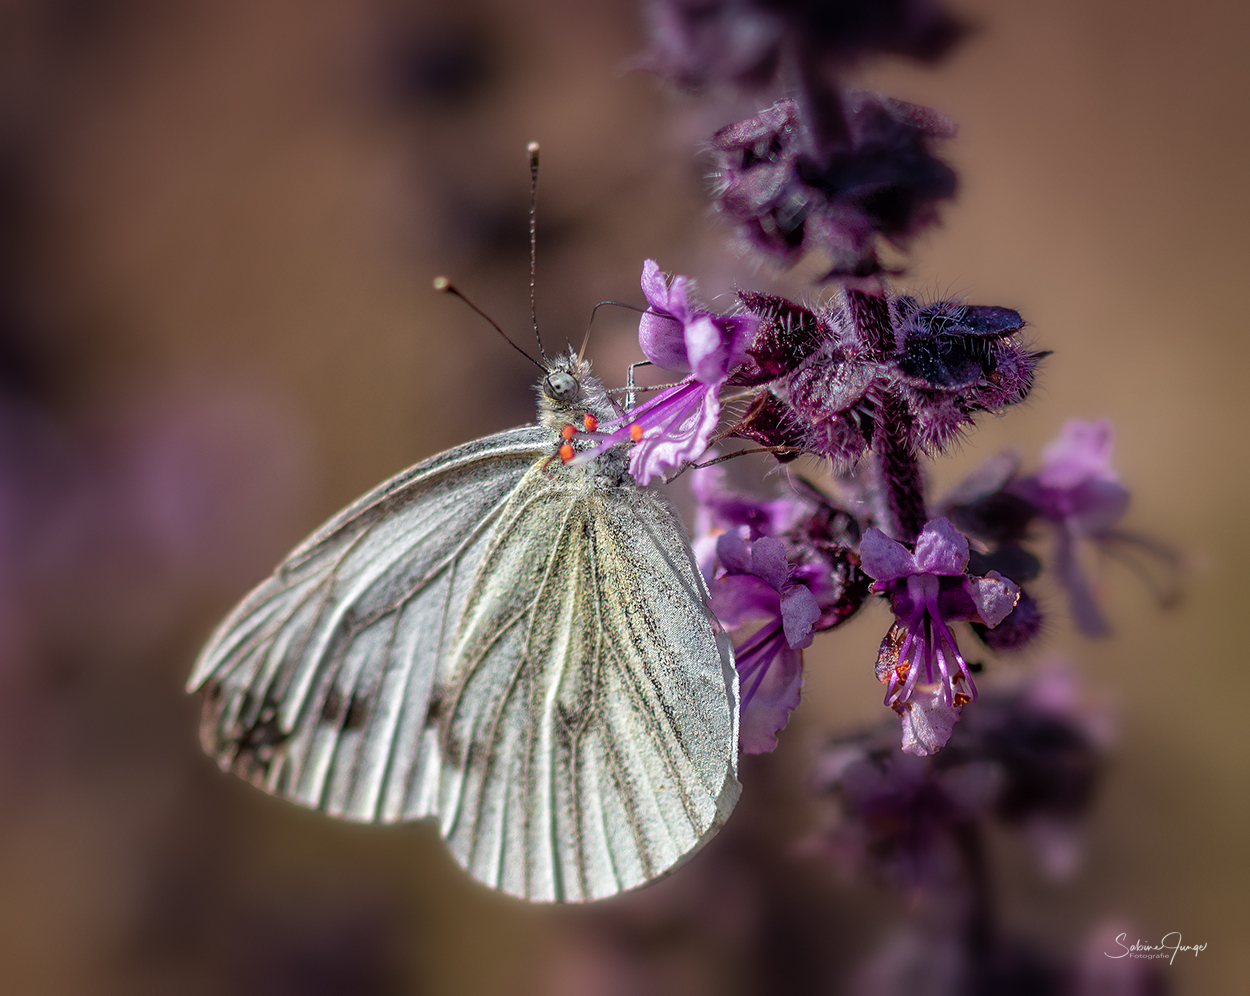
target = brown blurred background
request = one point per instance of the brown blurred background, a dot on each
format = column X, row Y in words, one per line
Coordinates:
column 218, row 225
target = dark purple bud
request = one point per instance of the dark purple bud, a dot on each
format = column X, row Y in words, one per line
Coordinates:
column 699, row 42
column 843, row 30
column 941, row 352
column 770, row 422
column 786, row 336
column 976, row 319
column 1009, row 560
column 787, row 198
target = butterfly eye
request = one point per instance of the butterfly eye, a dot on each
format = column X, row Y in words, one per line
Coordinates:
column 560, row 386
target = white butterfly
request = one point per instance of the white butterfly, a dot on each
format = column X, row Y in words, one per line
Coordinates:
column 515, row 647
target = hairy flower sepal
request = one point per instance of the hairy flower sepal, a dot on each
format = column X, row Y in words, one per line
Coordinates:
column 927, row 679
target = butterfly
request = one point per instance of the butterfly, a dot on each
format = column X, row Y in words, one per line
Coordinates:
column 516, row 646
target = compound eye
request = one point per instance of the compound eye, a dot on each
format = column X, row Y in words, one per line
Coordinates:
column 560, row 386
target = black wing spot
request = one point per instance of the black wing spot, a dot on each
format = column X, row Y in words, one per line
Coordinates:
column 332, row 710
column 265, row 732
column 357, row 713
column 434, row 711
column 350, row 713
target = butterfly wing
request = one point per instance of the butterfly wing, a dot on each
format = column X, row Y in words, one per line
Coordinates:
column 318, row 684
column 500, row 644
column 590, row 721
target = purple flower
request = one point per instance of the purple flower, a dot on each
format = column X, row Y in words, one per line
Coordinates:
column 673, row 428
column 882, row 179
column 820, row 539
column 757, row 594
column 1079, row 492
column 677, row 335
column 787, row 570
column 926, row 677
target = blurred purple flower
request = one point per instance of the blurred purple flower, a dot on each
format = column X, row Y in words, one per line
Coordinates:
column 919, row 662
column 1048, row 741
column 674, row 427
column 756, row 592
column 699, row 42
column 882, row 179
column 1079, row 492
column 899, row 815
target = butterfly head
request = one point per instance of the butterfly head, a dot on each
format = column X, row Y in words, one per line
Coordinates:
column 568, row 393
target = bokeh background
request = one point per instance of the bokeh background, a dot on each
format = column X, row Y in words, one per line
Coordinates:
column 218, row 225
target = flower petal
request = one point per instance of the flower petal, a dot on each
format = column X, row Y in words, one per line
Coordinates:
column 734, row 552
column 799, row 612
column 1082, row 452
column 665, row 296
column 941, row 549
column 927, row 721
column 737, row 599
column 703, row 350
column 663, row 341
column 772, row 700
column 994, row 595
column 883, row 558
column 768, row 561
column 677, row 425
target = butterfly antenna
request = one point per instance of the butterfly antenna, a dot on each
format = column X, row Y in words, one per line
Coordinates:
column 595, row 310
column 445, row 286
column 532, row 149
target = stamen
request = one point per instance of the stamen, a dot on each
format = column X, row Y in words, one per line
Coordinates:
column 635, row 432
column 590, row 422
column 566, row 452
column 568, row 432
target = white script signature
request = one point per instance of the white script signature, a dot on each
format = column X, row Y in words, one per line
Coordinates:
column 1166, row 948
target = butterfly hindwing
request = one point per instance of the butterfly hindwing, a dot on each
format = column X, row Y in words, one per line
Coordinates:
column 590, row 728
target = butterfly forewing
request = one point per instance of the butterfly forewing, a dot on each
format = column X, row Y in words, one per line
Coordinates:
column 492, row 639
column 322, row 673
